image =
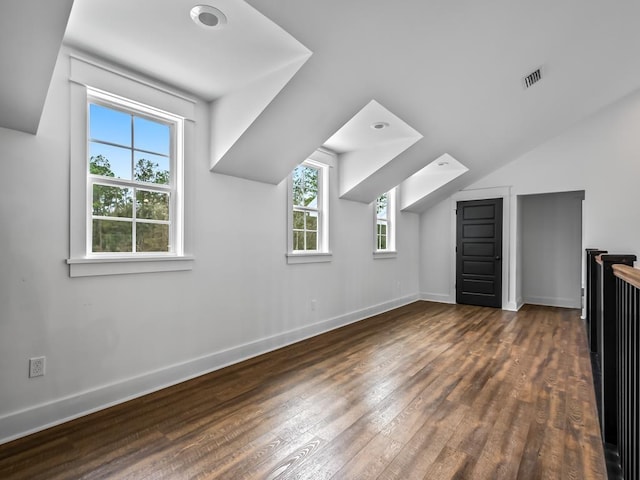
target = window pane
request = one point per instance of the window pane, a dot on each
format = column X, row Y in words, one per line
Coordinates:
column 111, row 236
column 298, row 240
column 298, row 190
column 311, row 187
column 311, row 241
column 152, row 205
column 151, row 168
column 312, row 221
column 152, row 237
column 305, row 186
column 298, row 219
column 381, row 206
column 383, row 242
column 111, row 201
column 112, row 161
column 151, row 136
column 109, row 125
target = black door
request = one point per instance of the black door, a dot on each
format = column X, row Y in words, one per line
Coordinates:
column 479, row 253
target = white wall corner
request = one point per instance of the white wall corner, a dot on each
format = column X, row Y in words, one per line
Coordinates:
column 437, row 297
column 512, row 306
column 562, row 302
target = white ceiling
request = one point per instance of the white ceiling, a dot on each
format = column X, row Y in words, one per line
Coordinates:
column 30, row 37
column 451, row 70
column 427, row 180
column 159, row 39
column 358, row 133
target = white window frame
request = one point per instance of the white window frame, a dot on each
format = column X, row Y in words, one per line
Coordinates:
column 322, row 253
column 390, row 251
column 174, row 189
column 88, row 81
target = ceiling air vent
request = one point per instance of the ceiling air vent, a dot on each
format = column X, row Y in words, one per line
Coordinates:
column 533, row 78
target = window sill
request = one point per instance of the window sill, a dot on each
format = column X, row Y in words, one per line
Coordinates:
column 379, row 254
column 316, row 257
column 90, row 267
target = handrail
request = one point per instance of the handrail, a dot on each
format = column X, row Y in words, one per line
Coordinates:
column 629, row 274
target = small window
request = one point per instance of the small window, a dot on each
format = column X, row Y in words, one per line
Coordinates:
column 385, row 222
column 308, row 212
column 306, row 208
column 132, row 177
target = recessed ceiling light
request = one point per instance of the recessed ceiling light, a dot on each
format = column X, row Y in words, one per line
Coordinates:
column 379, row 125
column 208, row 17
column 442, row 164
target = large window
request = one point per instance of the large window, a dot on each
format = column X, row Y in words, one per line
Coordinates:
column 308, row 211
column 129, row 143
column 385, row 222
column 132, row 171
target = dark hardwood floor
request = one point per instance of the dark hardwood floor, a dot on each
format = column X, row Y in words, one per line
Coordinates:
column 427, row 391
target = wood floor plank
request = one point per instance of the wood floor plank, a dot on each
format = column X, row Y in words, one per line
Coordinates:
column 426, row 391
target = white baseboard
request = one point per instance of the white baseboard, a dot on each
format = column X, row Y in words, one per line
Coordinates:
column 437, row 297
column 443, row 298
column 511, row 307
column 39, row 417
column 554, row 301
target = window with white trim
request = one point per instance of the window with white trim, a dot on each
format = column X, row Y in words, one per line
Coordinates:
column 126, row 191
column 308, row 212
column 133, row 177
column 385, row 222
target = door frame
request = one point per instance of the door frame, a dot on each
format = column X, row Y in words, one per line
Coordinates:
column 508, row 280
column 468, row 298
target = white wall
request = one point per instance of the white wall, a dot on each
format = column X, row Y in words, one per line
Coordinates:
column 551, row 249
column 436, row 240
column 112, row 337
column 600, row 155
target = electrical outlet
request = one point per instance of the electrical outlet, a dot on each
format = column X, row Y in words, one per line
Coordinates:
column 36, row 367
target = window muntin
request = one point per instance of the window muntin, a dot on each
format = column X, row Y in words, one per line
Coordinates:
column 132, row 177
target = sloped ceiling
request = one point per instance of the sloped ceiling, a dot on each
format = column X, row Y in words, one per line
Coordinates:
column 291, row 73
column 418, row 187
column 452, row 70
column 372, row 139
column 159, row 39
column 30, row 37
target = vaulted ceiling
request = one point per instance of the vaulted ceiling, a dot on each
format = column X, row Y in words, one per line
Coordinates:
column 285, row 77
column 30, row 37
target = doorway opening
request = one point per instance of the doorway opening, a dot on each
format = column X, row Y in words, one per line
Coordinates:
column 550, row 258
